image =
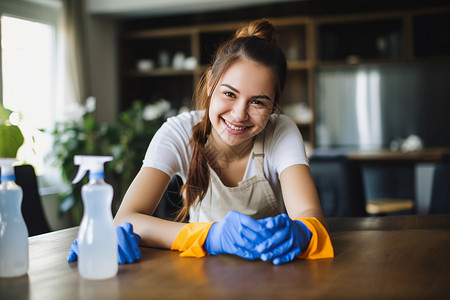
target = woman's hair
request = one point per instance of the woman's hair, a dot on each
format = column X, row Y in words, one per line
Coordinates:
column 257, row 42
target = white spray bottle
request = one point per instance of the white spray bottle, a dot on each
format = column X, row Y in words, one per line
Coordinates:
column 97, row 238
column 13, row 230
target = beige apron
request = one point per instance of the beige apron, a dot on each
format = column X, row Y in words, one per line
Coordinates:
column 253, row 196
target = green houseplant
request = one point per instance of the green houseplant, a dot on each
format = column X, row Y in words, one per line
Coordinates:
column 126, row 139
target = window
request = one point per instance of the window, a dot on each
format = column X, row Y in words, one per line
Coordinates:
column 28, row 68
column 30, row 78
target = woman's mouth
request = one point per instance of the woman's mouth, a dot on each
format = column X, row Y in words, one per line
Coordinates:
column 234, row 127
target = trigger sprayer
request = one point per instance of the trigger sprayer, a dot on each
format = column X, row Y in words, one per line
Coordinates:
column 91, row 163
column 13, row 230
column 97, row 238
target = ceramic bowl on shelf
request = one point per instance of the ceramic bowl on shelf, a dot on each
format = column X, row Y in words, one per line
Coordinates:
column 190, row 63
column 145, row 65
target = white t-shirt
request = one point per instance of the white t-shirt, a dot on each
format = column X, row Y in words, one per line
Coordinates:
column 170, row 152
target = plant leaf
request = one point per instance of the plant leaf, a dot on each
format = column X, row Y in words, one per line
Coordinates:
column 11, row 139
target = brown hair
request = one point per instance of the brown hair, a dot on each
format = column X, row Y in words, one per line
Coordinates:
column 258, row 42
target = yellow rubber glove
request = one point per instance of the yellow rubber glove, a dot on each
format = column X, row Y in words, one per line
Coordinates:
column 189, row 241
column 320, row 244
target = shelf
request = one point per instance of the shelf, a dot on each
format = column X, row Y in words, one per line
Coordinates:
column 309, row 42
column 210, row 41
column 177, row 89
column 159, row 33
column 292, row 39
column 373, row 39
column 355, row 60
column 298, row 65
column 159, row 72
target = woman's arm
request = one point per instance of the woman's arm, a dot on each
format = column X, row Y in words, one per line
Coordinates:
column 305, row 228
column 300, row 194
column 140, row 202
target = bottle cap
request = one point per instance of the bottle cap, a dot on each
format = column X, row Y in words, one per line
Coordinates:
column 7, row 169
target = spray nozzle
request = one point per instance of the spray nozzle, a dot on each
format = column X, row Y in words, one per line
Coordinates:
column 6, row 165
column 91, row 163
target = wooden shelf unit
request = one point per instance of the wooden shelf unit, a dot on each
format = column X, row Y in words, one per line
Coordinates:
column 309, row 42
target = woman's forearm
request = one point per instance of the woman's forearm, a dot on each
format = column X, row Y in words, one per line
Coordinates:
column 313, row 213
column 140, row 202
column 155, row 232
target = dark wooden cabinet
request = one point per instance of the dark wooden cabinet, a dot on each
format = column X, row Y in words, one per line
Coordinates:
column 431, row 34
column 168, row 62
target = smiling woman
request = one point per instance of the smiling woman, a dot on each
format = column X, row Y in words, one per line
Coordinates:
column 247, row 186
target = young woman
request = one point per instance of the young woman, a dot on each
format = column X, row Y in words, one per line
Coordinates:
column 242, row 164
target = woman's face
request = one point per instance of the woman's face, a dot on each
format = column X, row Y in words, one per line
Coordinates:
column 242, row 102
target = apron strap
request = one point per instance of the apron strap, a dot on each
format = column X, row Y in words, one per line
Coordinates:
column 258, row 153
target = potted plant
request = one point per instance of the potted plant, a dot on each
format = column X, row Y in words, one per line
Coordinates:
column 126, row 139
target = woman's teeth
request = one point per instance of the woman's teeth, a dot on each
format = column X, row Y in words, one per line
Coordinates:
column 234, row 127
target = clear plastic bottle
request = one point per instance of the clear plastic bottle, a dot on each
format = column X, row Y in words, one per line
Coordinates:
column 97, row 238
column 13, row 230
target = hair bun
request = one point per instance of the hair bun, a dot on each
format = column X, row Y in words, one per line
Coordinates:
column 261, row 28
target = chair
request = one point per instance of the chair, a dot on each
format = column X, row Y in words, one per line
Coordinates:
column 339, row 185
column 389, row 188
column 31, row 204
column 171, row 202
column 440, row 190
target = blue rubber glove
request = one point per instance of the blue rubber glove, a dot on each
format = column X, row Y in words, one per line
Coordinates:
column 236, row 234
column 289, row 239
column 127, row 242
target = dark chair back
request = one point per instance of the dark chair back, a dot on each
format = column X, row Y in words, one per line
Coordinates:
column 440, row 191
column 171, row 202
column 389, row 180
column 31, row 204
column 339, row 185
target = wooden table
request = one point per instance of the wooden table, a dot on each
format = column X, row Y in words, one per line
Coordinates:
column 385, row 155
column 401, row 257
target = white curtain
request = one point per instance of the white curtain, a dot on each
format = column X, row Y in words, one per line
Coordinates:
column 75, row 53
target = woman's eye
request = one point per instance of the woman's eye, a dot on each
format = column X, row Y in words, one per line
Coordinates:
column 258, row 102
column 229, row 94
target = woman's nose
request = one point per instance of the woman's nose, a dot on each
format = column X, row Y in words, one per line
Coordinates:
column 239, row 111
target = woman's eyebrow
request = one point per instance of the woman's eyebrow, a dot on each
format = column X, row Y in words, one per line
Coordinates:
column 254, row 97
column 230, row 87
column 262, row 97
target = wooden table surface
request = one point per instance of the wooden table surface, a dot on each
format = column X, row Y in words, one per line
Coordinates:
column 402, row 257
column 424, row 155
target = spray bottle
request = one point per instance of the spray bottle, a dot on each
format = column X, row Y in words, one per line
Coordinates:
column 13, row 230
column 97, row 238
